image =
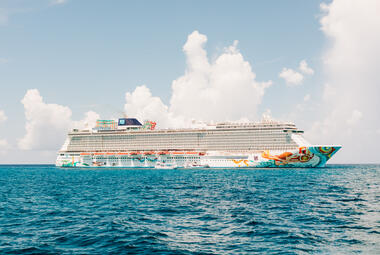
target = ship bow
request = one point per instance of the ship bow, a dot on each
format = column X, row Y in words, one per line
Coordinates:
column 324, row 152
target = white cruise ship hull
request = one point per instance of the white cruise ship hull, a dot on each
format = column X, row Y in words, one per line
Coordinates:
column 303, row 157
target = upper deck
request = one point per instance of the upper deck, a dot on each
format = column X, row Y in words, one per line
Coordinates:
column 217, row 137
column 139, row 129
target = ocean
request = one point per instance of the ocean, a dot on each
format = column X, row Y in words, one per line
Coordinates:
column 49, row 210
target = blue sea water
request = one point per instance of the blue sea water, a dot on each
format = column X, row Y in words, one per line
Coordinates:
column 48, row 210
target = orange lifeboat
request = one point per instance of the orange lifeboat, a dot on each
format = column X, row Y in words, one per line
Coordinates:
column 178, row 152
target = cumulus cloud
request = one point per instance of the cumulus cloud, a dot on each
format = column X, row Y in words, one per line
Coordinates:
column 47, row 124
column 294, row 78
column 142, row 105
column 355, row 117
column 305, row 68
column 224, row 89
column 351, row 65
column 291, row 77
column 88, row 122
column 3, row 117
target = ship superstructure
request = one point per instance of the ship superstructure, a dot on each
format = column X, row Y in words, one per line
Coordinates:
column 128, row 143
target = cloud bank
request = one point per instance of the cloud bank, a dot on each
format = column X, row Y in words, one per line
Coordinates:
column 224, row 89
column 351, row 64
column 47, row 124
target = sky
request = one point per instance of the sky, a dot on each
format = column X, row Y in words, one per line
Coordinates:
column 66, row 63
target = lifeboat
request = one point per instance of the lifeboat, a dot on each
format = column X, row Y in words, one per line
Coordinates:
column 195, row 165
column 163, row 153
column 97, row 163
column 191, row 152
column 134, row 153
column 149, row 153
column 202, row 153
column 178, row 153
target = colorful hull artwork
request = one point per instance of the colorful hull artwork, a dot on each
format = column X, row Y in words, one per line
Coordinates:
column 303, row 157
column 315, row 156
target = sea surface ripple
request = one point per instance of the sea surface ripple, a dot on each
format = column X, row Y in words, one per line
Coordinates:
column 49, row 210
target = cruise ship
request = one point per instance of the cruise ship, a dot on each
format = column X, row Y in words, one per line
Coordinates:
column 127, row 143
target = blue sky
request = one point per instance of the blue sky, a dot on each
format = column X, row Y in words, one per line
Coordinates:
column 92, row 44
column 87, row 54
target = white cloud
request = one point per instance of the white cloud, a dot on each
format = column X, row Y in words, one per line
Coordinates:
column 355, row 117
column 294, row 78
column 330, row 92
column 267, row 115
column 47, row 124
column 305, row 68
column 224, row 89
column 143, row 106
column 306, row 97
column 3, row 117
column 291, row 77
column 88, row 122
column 352, row 91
